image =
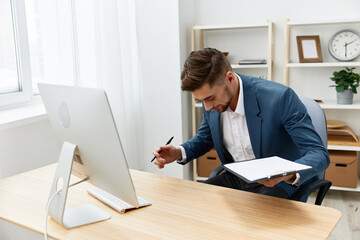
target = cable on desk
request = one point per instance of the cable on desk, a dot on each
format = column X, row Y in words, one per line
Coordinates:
column 52, row 198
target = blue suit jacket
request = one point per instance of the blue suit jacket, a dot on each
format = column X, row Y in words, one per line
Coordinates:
column 278, row 124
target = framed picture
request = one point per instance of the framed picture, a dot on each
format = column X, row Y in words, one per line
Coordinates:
column 309, row 49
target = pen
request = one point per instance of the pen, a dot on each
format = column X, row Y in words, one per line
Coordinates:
column 282, row 174
column 168, row 142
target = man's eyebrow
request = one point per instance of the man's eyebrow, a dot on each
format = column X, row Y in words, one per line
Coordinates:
column 207, row 98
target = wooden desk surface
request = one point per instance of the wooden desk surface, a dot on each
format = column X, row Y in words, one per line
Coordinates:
column 180, row 209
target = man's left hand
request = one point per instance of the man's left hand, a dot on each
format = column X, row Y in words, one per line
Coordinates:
column 272, row 182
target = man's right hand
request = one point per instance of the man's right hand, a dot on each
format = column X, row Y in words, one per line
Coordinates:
column 168, row 154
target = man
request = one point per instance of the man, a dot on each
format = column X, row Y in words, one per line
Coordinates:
column 246, row 118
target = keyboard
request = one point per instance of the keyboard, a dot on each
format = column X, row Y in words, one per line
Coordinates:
column 114, row 202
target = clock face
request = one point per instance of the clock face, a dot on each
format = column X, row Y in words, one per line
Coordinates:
column 345, row 45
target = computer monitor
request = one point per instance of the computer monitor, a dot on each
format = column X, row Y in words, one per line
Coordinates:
column 83, row 117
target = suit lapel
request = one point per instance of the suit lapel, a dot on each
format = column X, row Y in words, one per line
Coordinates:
column 251, row 112
column 217, row 135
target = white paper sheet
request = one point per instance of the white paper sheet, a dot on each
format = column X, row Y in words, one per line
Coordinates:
column 264, row 168
column 309, row 49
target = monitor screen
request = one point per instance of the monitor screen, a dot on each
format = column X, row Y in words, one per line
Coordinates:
column 83, row 117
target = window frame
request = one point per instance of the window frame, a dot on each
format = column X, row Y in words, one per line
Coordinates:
column 22, row 56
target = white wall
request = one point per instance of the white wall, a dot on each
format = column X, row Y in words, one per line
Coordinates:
column 27, row 147
column 159, row 52
column 164, row 43
column 186, row 18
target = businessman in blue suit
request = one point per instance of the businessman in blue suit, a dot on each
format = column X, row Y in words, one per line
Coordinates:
column 246, row 118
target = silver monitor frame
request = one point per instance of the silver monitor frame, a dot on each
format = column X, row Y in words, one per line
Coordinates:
column 83, row 118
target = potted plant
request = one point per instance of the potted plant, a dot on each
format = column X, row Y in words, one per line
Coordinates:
column 346, row 83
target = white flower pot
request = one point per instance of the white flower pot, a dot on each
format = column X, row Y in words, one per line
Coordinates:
column 345, row 97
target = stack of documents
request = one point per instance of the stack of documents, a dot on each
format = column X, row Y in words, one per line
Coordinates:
column 265, row 168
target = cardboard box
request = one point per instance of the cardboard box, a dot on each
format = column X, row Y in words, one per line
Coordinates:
column 207, row 163
column 343, row 168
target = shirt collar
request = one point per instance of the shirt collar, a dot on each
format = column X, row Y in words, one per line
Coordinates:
column 240, row 104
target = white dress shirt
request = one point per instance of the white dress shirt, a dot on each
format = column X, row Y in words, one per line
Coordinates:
column 235, row 132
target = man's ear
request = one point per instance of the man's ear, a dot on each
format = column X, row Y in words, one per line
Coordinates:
column 229, row 76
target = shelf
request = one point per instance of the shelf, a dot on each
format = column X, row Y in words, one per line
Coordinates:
column 324, row 22
column 344, row 148
column 198, row 105
column 249, row 65
column 357, row 189
column 201, row 178
column 324, row 64
column 342, row 142
column 233, row 26
column 331, row 104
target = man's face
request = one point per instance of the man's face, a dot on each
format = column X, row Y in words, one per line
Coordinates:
column 217, row 97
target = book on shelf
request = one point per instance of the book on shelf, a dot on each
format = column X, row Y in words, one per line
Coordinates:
column 252, row 61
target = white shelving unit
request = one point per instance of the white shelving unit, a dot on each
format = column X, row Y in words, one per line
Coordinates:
column 228, row 26
column 198, row 105
column 288, row 64
column 197, row 36
column 357, row 189
column 344, row 148
column 235, row 66
column 328, row 63
column 201, row 178
column 324, row 64
column 323, row 22
column 268, row 26
column 331, row 104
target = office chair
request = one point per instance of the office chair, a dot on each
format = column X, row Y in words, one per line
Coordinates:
column 319, row 121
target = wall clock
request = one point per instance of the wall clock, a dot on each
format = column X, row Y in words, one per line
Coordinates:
column 345, row 45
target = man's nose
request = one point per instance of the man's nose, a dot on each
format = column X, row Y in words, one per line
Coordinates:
column 208, row 105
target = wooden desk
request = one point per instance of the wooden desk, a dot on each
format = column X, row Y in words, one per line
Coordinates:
column 181, row 210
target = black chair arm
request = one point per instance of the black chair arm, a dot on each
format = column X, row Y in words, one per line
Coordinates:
column 216, row 171
column 321, row 184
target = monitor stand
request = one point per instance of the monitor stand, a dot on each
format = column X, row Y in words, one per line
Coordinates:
column 74, row 217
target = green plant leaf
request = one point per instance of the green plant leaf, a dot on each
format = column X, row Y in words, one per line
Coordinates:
column 349, row 69
column 342, row 72
column 354, row 90
column 340, row 88
column 346, row 79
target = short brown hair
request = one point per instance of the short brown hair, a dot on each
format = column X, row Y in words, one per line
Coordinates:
column 203, row 66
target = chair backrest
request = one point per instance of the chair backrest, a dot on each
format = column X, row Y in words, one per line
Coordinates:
column 317, row 116
column 318, row 119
